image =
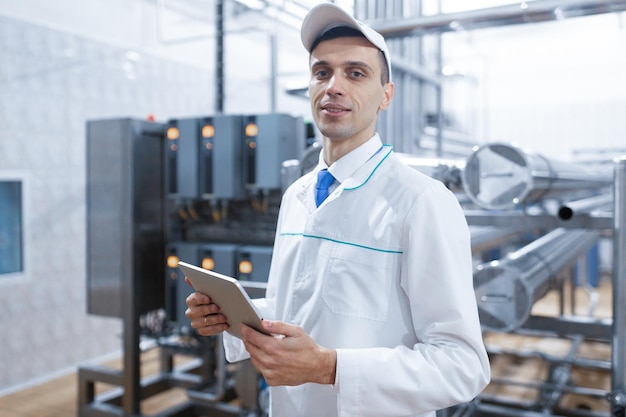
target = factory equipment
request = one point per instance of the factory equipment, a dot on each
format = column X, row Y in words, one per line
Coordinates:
column 125, row 205
column 253, row 263
column 502, row 176
column 125, row 244
column 568, row 209
column 183, row 159
column 484, row 238
column 205, row 190
column 507, row 289
column 219, row 257
column 268, row 141
column 204, row 157
column 227, row 157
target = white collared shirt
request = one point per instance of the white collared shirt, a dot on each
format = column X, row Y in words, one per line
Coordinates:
column 349, row 163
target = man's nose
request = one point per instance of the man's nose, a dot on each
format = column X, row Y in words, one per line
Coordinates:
column 335, row 85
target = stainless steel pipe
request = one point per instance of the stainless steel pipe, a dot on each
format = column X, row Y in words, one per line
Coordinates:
column 501, row 176
column 567, row 210
column 507, row 289
column 511, row 14
column 484, row 238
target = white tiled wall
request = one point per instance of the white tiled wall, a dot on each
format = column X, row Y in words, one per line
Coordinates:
column 51, row 83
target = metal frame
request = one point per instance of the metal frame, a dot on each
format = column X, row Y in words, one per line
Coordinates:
column 618, row 394
column 577, row 327
column 207, row 392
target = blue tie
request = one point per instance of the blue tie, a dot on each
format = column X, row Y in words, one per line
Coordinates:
column 324, row 179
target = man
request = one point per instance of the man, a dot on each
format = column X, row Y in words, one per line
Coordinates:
column 370, row 294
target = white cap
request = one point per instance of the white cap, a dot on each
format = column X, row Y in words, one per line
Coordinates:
column 326, row 16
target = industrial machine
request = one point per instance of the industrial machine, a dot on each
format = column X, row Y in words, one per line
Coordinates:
column 502, row 176
column 204, row 190
column 565, row 209
column 207, row 189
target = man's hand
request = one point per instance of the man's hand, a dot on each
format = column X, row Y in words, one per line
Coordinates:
column 205, row 316
column 291, row 357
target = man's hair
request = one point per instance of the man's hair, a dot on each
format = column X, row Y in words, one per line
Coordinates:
column 346, row 32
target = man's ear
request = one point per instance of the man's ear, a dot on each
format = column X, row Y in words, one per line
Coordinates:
column 388, row 91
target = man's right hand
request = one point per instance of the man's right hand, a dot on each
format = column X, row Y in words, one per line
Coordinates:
column 205, row 316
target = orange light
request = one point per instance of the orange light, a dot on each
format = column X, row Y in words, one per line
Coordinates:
column 252, row 129
column 245, row 267
column 208, row 131
column 173, row 147
column 209, row 145
column 173, row 133
column 172, row 261
column 252, row 145
column 208, row 263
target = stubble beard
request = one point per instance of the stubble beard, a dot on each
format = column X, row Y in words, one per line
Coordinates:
column 336, row 131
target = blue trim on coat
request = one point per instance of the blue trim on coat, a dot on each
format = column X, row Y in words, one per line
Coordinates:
column 343, row 243
column 374, row 170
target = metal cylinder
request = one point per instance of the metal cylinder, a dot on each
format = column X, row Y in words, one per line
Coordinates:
column 568, row 209
column 501, row 176
column 485, row 238
column 507, row 289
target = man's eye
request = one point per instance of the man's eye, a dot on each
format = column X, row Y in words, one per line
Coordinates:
column 321, row 73
column 357, row 74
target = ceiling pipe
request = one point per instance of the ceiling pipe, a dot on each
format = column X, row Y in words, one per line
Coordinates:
column 523, row 12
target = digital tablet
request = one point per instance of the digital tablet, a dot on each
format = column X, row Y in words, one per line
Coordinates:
column 228, row 294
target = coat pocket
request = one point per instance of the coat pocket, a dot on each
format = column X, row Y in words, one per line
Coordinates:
column 358, row 282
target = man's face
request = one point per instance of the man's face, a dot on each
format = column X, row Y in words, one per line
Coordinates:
column 345, row 89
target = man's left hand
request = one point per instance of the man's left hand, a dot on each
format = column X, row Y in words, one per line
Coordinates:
column 291, row 357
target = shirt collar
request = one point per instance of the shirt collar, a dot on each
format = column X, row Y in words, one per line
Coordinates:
column 347, row 165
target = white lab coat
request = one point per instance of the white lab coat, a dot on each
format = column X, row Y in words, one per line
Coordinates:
column 382, row 273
